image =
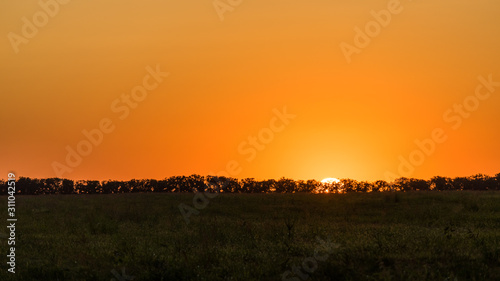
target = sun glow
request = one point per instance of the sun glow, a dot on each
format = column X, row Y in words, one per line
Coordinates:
column 330, row 180
column 328, row 185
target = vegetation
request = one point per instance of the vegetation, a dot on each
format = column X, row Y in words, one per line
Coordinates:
column 452, row 235
column 197, row 183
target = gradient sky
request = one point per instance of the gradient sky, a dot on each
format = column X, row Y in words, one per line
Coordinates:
column 353, row 120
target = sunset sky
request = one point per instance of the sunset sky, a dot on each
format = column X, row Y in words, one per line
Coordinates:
column 66, row 67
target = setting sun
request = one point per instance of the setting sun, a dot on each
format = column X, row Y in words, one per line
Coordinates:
column 330, row 180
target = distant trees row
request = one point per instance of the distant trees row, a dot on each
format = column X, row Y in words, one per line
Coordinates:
column 197, row 183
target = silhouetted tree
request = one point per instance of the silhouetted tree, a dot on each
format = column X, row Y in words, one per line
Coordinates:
column 217, row 184
column 461, row 183
column 3, row 187
column 88, row 187
column 175, row 184
column 381, row 186
column 269, row 185
column 111, row 186
column 232, row 185
column 440, row 183
column 51, row 186
column 306, row 186
column 255, row 186
column 259, row 187
column 363, row 186
column 26, row 185
column 402, row 184
column 418, row 184
column 285, row 185
column 348, row 185
column 162, row 186
column 248, row 185
column 197, row 183
column 67, row 186
column 312, row 185
column 480, row 182
column 93, row 187
column 151, row 185
column 132, row 185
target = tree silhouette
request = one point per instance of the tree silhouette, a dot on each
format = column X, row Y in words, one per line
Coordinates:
column 286, row 185
column 348, row 185
column 67, row 186
column 381, row 186
column 441, row 183
column 197, row 183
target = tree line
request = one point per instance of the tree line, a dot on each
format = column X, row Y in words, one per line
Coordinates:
column 197, row 183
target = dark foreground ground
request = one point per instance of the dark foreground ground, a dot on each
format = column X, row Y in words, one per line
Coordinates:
column 377, row 236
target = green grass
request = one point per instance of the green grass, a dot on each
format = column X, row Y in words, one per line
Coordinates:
column 381, row 236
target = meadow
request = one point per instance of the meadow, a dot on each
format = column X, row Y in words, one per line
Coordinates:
column 431, row 235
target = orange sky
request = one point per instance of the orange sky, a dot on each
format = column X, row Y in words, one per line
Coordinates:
column 228, row 77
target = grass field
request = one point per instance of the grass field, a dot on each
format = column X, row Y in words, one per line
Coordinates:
column 359, row 236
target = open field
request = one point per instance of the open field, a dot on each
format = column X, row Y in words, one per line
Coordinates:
column 356, row 236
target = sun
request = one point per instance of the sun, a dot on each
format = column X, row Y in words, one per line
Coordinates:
column 329, row 185
column 330, row 180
